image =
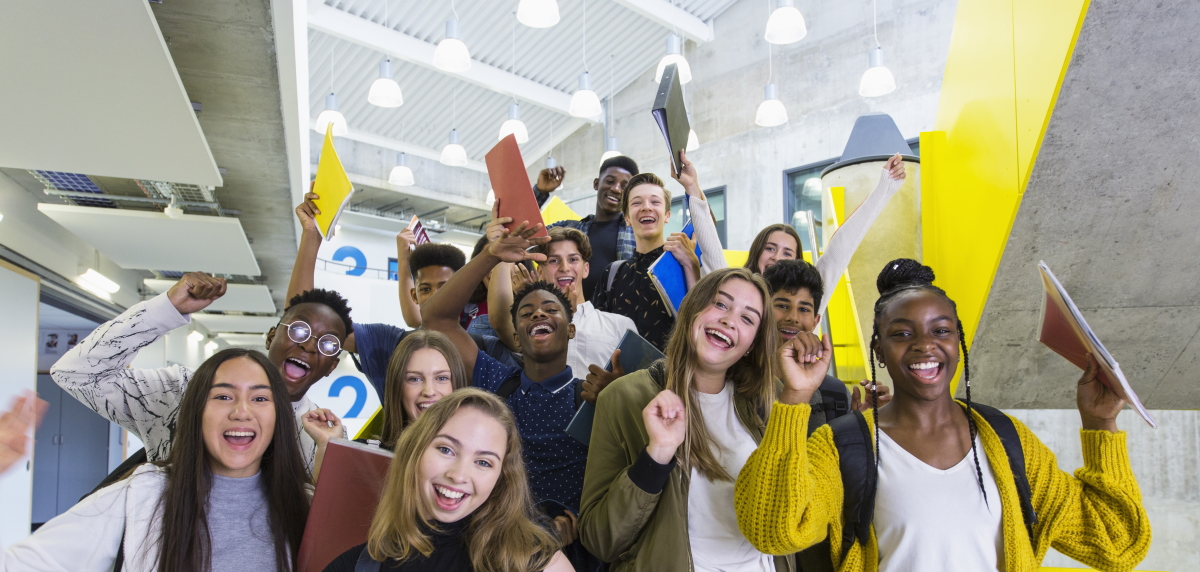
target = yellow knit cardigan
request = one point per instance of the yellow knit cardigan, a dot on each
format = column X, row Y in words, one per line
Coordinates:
column 789, row 497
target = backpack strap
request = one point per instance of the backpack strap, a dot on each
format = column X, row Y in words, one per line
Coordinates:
column 479, row 341
column 509, row 386
column 612, row 273
column 1004, row 428
column 367, row 564
column 834, row 403
column 856, row 459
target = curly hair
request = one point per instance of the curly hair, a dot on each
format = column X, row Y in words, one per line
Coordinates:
column 792, row 275
column 541, row 285
column 434, row 254
column 329, row 298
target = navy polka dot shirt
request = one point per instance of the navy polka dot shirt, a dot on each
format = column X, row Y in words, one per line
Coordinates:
column 555, row 460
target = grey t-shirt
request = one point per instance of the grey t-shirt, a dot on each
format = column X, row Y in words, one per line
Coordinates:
column 238, row 525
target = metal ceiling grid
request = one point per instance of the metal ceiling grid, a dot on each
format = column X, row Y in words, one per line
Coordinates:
column 551, row 57
column 73, row 182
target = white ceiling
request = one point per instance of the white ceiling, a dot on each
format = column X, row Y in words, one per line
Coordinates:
column 238, row 297
column 218, row 323
column 551, row 57
column 153, row 241
column 115, row 107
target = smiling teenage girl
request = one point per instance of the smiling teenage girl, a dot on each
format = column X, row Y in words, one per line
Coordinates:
column 945, row 496
column 668, row 442
column 456, row 498
column 232, row 495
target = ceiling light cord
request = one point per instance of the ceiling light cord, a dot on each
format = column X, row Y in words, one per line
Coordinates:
column 612, row 94
column 513, row 69
column 770, row 52
column 875, row 22
column 585, row 66
column 453, row 9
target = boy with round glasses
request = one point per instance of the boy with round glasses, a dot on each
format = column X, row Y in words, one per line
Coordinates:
column 304, row 346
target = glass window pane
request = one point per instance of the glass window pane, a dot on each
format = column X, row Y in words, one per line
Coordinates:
column 716, row 204
column 804, row 196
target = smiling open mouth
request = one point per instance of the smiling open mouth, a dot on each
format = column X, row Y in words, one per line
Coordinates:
column 926, row 370
column 239, row 438
column 789, row 333
column 647, row 220
column 422, row 406
column 718, row 339
column 564, row 282
column 541, row 331
column 449, row 499
column 295, row 369
column 612, row 199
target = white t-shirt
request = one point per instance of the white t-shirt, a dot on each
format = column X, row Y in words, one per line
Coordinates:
column 717, row 544
column 930, row 519
column 596, row 336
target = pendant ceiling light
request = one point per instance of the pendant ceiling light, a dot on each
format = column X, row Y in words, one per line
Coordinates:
column 877, row 80
column 401, row 175
column 786, row 24
column 771, row 111
column 453, row 154
column 385, row 92
column 513, row 125
column 610, row 149
column 451, row 54
column 331, row 113
column 538, row 13
column 584, row 102
column 674, row 56
column 693, row 141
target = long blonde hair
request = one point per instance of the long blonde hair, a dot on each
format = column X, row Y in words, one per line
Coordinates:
column 753, row 375
column 395, row 417
column 501, row 536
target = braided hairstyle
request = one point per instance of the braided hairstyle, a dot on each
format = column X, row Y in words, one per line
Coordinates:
column 906, row 275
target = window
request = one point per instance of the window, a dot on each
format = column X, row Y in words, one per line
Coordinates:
column 393, row 269
column 802, row 194
column 716, row 203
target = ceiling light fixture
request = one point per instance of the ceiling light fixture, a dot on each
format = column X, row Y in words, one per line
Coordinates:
column 584, row 102
column 451, row 54
column 331, row 113
column 453, row 154
column 195, row 337
column 693, row 141
column 610, row 142
column 401, row 175
column 513, row 125
column 211, row 348
column 385, row 92
column 538, row 13
column 877, row 80
column 771, row 111
column 786, row 24
column 674, row 56
column 98, row 281
column 610, row 149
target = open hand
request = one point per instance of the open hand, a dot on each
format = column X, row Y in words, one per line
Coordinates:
column 865, row 402
column 405, row 242
column 307, row 211
column 521, row 277
column 550, row 179
column 895, row 167
column 666, row 424
column 511, row 246
column 1098, row 405
column 575, row 295
column 322, row 425
column 804, row 360
column 195, row 291
column 598, row 378
column 25, row 412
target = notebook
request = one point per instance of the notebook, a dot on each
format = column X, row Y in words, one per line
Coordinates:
column 667, row 275
column 671, row 114
column 636, row 354
column 419, row 232
column 332, row 186
column 510, row 183
column 351, row 483
column 1064, row 331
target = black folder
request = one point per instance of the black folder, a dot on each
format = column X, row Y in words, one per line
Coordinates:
column 636, row 354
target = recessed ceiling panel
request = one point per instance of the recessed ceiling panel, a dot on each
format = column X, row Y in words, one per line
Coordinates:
column 237, row 298
column 90, row 87
column 154, row 241
column 219, row 323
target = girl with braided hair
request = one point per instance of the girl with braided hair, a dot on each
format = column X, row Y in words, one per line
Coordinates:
column 944, row 494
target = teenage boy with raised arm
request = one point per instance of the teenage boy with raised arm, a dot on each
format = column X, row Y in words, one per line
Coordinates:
column 544, row 402
column 610, row 234
column 422, row 273
column 646, row 206
column 305, row 346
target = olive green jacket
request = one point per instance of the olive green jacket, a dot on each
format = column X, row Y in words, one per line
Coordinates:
column 634, row 511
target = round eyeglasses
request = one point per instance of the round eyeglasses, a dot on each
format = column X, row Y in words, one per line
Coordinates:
column 328, row 344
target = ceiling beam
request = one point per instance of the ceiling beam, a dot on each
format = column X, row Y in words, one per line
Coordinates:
column 672, row 17
column 365, row 33
column 394, row 145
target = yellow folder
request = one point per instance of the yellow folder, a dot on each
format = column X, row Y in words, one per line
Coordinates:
column 332, row 187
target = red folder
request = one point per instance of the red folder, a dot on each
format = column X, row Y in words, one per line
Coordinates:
column 511, row 185
column 351, row 482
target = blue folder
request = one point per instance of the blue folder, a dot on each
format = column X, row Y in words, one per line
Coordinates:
column 667, row 275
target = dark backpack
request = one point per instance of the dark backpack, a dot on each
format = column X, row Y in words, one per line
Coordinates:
column 856, row 459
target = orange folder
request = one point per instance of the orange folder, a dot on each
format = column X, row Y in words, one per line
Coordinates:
column 511, row 185
column 352, row 479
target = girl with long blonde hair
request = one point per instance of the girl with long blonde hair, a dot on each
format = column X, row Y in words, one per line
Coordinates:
column 668, row 442
column 457, row 497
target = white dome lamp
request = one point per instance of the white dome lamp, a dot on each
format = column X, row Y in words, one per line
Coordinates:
column 674, row 56
column 331, row 115
column 610, row 149
column 453, row 154
column 451, row 54
column 401, row 175
column 538, row 13
column 877, row 80
column 786, row 24
column 585, row 103
column 693, row 141
column 771, row 111
column 514, row 126
column 385, row 92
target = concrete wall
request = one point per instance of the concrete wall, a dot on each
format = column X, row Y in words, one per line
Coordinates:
column 818, row 83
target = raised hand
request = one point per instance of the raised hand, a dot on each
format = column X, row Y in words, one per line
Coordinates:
column 687, row 178
column 322, row 425
column 195, row 291
column 895, row 167
column 1098, row 405
column 865, row 402
column 550, row 179
column 405, row 241
column 25, row 412
column 666, row 424
column 521, row 277
column 575, row 295
column 804, row 360
column 307, row 211
column 512, row 245
column 496, row 227
column 598, row 378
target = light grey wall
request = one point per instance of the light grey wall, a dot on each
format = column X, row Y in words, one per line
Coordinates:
column 818, row 83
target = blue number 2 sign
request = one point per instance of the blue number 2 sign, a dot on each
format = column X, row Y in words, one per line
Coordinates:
column 360, row 393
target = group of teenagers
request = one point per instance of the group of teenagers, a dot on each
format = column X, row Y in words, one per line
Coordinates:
column 737, row 452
